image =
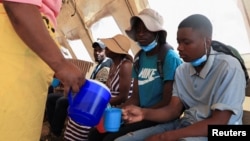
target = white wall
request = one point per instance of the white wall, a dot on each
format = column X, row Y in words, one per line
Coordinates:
column 225, row 16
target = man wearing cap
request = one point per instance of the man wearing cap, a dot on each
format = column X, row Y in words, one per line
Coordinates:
column 149, row 89
column 101, row 70
column 100, row 73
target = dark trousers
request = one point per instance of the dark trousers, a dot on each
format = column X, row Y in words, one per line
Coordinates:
column 56, row 111
column 94, row 135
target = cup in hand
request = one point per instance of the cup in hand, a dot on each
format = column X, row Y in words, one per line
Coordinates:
column 112, row 119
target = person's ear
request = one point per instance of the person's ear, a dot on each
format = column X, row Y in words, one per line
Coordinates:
column 207, row 42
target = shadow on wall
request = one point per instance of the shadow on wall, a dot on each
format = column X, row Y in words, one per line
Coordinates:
column 246, row 117
column 246, row 114
column 248, row 90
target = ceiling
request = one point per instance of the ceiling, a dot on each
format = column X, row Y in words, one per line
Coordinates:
column 77, row 16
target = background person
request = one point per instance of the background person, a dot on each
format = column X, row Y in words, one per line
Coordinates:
column 101, row 71
column 120, row 80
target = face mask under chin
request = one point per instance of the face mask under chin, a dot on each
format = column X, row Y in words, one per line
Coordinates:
column 202, row 59
column 199, row 61
column 149, row 47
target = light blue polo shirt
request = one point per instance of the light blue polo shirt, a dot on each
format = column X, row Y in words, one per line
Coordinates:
column 220, row 85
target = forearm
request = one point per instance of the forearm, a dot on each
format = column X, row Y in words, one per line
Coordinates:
column 131, row 101
column 30, row 27
column 166, row 113
column 158, row 115
column 117, row 100
column 134, row 99
column 162, row 103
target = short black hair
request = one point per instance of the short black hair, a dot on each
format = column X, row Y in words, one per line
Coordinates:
column 199, row 22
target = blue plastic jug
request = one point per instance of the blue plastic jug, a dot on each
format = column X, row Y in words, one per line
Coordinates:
column 88, row 105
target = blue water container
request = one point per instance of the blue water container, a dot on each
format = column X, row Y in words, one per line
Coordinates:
column 88, row 105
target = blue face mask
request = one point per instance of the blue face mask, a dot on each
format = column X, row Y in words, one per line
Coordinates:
column 199, row 61
column 202, row 59
column 149, row 46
